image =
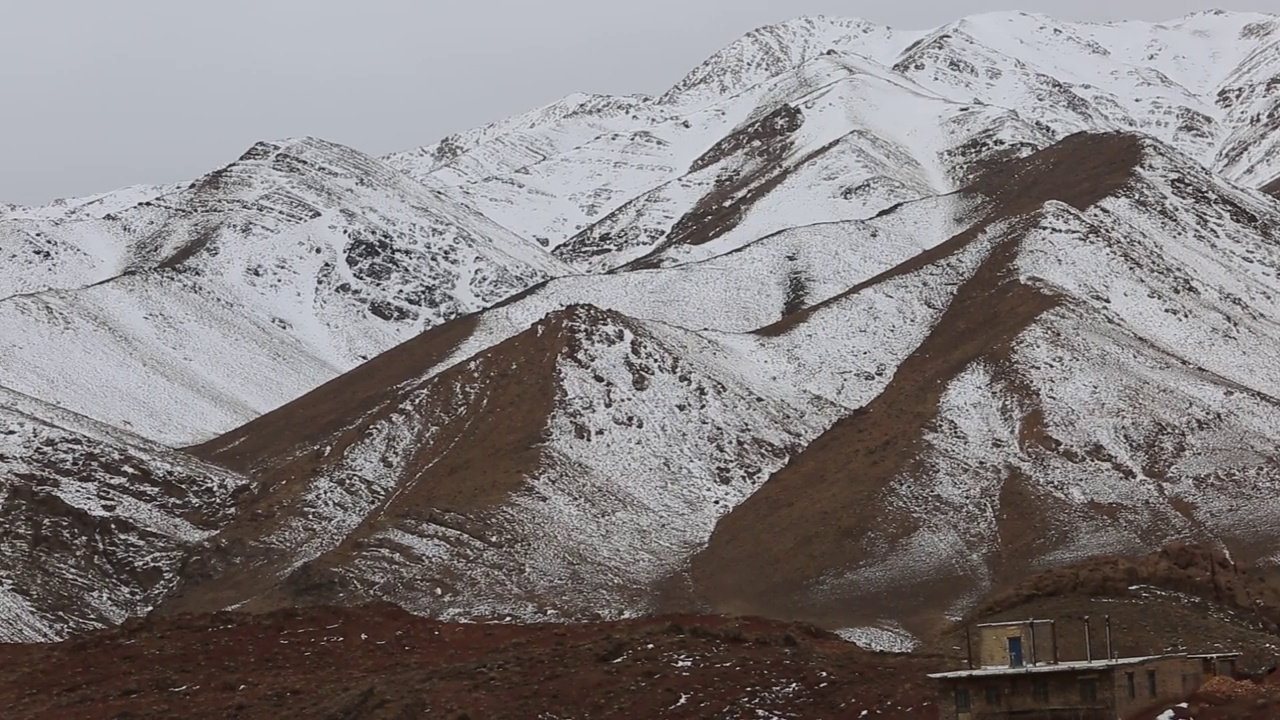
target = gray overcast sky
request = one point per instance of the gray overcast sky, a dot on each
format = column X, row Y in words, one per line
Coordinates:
column 100, row 94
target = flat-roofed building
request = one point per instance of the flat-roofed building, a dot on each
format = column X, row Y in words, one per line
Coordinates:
column 1018, row 676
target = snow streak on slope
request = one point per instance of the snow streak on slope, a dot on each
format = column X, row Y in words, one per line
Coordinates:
column 522, row 140
column 604, row 520
column 378, row 244
column 347, row 256
column 1119, row 447
column 743, row 290
column 165, row 356
column 89, row 206
column 770, row 51
column 93, row 521
column 1252, row 109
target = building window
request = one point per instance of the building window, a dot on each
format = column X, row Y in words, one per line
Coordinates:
column 993, row 695
column 962, row 701
column 1040, row 690
column 1133, row 686
column 1089, row 690
column 1151, row 682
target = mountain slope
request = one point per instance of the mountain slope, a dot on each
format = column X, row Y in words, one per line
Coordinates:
column 813, row 121
column 854, row 463
column 251, row 286
column 93, row 521
column 1090, row 386
column 851, row 143
column 495, row 487
column 66, row 244
column 852, row 326
column 630, row 172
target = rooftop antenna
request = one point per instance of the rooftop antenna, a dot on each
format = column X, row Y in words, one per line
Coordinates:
column 1110, row 653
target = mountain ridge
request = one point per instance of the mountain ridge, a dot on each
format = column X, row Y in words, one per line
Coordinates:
column 895, row 319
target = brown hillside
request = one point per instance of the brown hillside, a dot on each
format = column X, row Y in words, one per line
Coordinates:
column 1195, row 570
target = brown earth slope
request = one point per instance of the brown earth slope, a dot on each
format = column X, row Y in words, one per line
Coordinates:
column 380, row 662
column 93, row 520
column 575, row 470
column 331, row 408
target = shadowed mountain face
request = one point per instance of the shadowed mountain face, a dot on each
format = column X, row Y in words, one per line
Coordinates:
column 850, row 327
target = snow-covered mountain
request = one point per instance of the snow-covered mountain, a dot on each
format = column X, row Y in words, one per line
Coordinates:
column 871, row 116
column 851, row 325
column 1077, row 356
column 191, row 312
column 328, row 257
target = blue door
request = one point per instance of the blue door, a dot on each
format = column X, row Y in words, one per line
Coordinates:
column 1015, row 652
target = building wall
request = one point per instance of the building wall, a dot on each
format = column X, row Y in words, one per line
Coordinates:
column 1175, row 679
column 1017, row 693
column 1212, row 666
column 993, row 643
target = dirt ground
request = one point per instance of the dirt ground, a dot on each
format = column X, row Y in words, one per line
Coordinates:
column 381, row 662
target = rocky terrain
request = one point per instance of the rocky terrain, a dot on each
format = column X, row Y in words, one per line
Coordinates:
column 852, row 327
column 527, row 456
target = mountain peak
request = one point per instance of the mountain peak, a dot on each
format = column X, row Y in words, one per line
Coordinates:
column 766, row 52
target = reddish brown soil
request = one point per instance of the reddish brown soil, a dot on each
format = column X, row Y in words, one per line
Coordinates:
column 380, row 662
column 815, row 517
column 1080, row 170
